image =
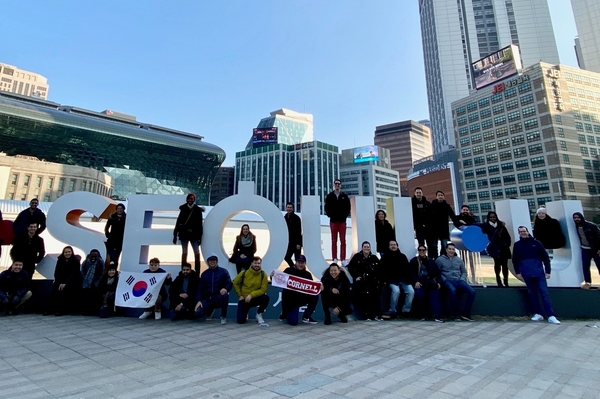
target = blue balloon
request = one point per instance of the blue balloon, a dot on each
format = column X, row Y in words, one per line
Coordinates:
column 469, row 238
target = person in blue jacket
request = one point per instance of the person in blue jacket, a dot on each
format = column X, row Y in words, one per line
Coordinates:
column 532, row 265
column 213, row 290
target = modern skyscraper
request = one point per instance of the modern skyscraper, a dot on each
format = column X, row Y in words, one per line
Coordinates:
column 25, row 83
column 407, row 142
column 456, row 33
column 293, row 127
column 587, row 14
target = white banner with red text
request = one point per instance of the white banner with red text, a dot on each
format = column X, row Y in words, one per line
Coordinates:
column 294, row 283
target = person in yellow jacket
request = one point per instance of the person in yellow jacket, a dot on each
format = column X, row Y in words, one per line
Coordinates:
column 251, row 287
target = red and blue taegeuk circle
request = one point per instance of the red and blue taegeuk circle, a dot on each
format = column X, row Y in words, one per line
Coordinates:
column 139, row 288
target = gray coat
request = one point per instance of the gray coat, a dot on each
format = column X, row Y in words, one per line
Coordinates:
column 452, row 269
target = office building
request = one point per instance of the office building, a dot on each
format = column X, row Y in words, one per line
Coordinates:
column 292, row 127
column 587, row 44
column 366, row 171
column 407, row 142
column 223, row 184
column 533, row 136
column 284, row 173
column 140, row 157
column 25, row 177
column 25, row 83
column 456, row 34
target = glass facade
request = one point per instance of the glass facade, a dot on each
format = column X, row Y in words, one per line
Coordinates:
column 292, row 127
column 141, row 158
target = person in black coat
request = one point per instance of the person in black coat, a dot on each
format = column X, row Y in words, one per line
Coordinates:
column 384, row 232
column 465, row 218
column 189, row 229
column 420, row 211
column 547, row 230
column 107, row 289
column 437, row 224
column 397, row 274
column 366, row 289
column 428, row 285
column 294, row 225
column 28, row 248
column 114, row 232
column 67, row 282
column 336, row 293
column 499, row 246
column 182, row 293
column 28, row 216
column 14, row 287
column 589, row 239
column 244, row 249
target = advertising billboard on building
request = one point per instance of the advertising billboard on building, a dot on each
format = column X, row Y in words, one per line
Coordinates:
column 497, row 66
column 264, row 136
column 366, row 154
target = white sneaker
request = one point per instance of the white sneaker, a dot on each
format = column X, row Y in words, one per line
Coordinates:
column 259, row 318
column 157, row 315
column 223, row 320
column 537, row 317
column 553, row 320
column 344, row 263
column 145, row 315
column 334, row 260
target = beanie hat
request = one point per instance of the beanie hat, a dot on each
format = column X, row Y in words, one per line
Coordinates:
column 541, row 210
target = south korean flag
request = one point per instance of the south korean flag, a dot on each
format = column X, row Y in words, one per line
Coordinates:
column 138, row 290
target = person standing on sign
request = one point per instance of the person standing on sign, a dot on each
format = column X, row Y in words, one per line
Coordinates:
column 294, row 225
column 251, row 288
column 189, row 229
column 589, row 239
column 384, row 232
column 499, row 246
column 154, row 267
column 437, row 224
column 420, row 211
column 29, row 216
column 29, row 248
column 114, row 232
column 291, row 301
column 213, row 290
column 337, row 207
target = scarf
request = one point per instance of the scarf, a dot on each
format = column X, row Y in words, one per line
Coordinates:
column 246, row 240
column 493, row 224
column 89, row 277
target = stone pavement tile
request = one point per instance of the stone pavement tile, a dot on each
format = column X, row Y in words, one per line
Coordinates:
column 263, row 395
column 291, row 390
column 574, row 390
column 363, row 393
column 441, row 395
column 484, row 394
column 529, row 393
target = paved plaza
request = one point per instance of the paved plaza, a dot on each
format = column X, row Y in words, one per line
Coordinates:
column 88, row 357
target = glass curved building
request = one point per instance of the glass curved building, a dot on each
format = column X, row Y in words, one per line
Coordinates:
column 144, row 159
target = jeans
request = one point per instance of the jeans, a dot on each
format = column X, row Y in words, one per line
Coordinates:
column 453, row 287
column 244, row 307
column 210, row 304
column 433, row 295
column 195, row 246
column 586, row 261
column 292, row 313
column 410, row 294
column 535, row 286
column 338, row 228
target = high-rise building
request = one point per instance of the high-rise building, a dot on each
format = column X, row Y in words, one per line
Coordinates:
column 25, row 83
column 366, row 171
column 535, row 136
column 223, row 184
column 587, row 45
column 292, row 127
column 407, row 142
column 456, row 33
column 285, row 173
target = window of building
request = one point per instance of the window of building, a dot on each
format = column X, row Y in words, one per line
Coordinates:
column 482, row 183
column 495, row 181
column 471, row 107
column 476, row 138
column 473, row 117
column 83, row 185
column 484, row 102
column 537, row 162
column 480, row 172
column 470, row 185
column 510, row 192
column 589, row 176
column 496, row 98
column 533, row 136
column 488, row 135
column 522, row 164
column 61, row 184
column 479, row 161
column 485, row 113
column 592, row 190
column 13, row 179
column 584, row 151
column 576, row 114
column 72, row 185
column 23, row 197
column 568, row 172
column 492, row 158
column 539, row 175
column 581, row 138
column 571, row 186
column 471, row 197
column 498, row 109
column 526, row 99
column 490, row 147
column 560, row 131
column 535, row 149
column 579, row 126
column 26, row 180
column 525, row 190
column 477, row 149
column 500, row 120
column 461, row 110
column 563, row 145
column 50, row 182
column 512, row 104
column 588, row 127
column 510, row 92
column 465, row 152
column 47, row 198
column 529, row 111
column 558, row 119
column 475, row 127
column 486, row 124
column 520, row 152
column 505, row 155
column 507, row 167
column 503, row 143
column 467, row 163
column 469, row 174
column 461, row 121
column 513, row 116
column 484, row 195
column 516, row 128
column 525, row 87
column 463, row 131
column 38, row 182
column 509, row 179
column 497, row 194
column 531, row 123
column 524, row 177
column 493, row 170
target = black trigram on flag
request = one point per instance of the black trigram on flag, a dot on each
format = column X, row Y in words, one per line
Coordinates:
column 130, row 279
column 126, row 296
column 148, row 297
column 152, row 280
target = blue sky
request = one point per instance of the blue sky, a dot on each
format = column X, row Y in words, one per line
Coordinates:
column 216, row 68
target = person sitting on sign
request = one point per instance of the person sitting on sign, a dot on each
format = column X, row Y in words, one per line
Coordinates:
column 251, row 288
column 336, row 293
column 107, row 289
column 291, row 301
column 243, row 249
column 14, row 287
column 67, row 282
column 213, row 290
column 182, row 293
column 162, row 296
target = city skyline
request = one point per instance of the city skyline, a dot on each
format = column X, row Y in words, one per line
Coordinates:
column 215, row 69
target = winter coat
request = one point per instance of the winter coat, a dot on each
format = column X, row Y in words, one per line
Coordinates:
column 114, row 231
column 294, row 298
column 342, row 284
column 14, row 284
column 548, row 232
column 467, row 219
column 499, row 245
column 367, row 268
column 294, row 225
column 67, row 271
column 26, row 217
column 420, row 211
column 437, row 224
column 452, row 269
column 428, row 273
column 251, row 282
column 337, row 207
column 104, row 287
column 176, row 289
column 530, row 259
column 239, row 249
column 211, row 282
column 591, row 231
column 188, row 226
column 395, row 269
column 384, row 233
column 29, row 250
column 99, row 268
